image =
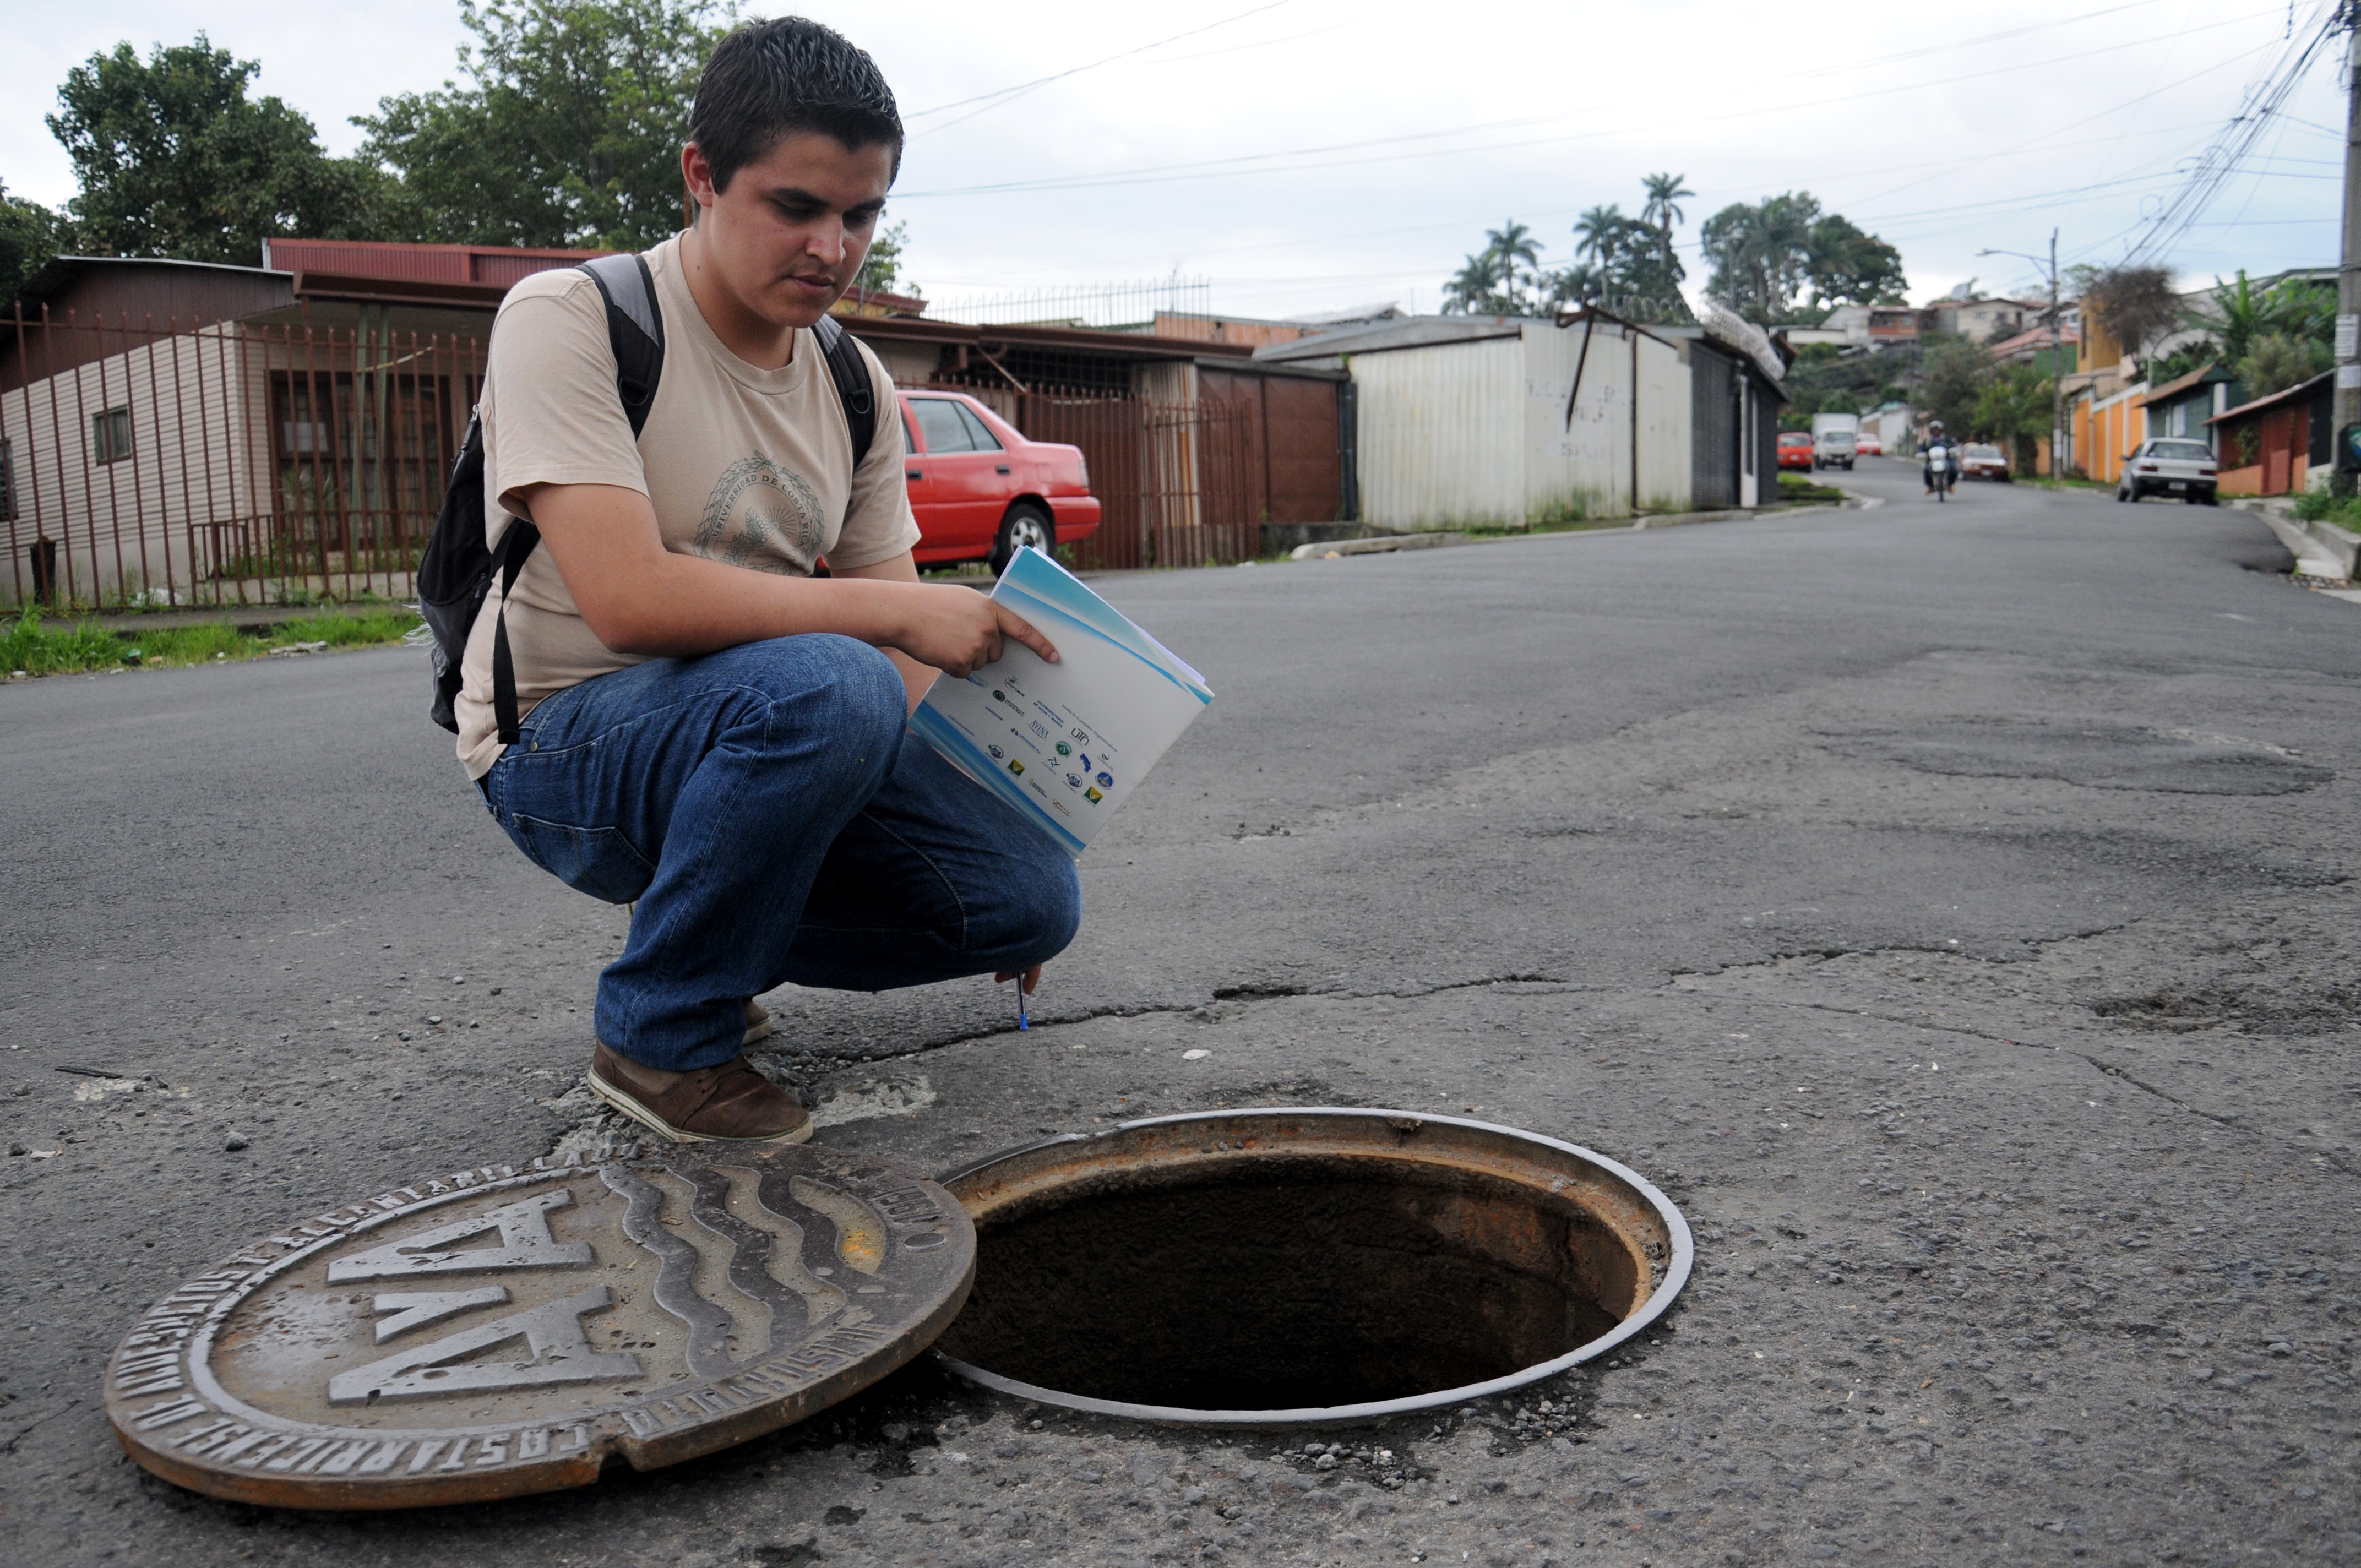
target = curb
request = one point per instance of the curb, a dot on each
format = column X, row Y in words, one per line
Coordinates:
column 1386, row 544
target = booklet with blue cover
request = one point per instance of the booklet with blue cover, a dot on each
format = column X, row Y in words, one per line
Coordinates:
column 1064, row 743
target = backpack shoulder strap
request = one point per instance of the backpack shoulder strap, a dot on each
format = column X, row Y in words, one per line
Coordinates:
column 850, row 373
column 635, row 330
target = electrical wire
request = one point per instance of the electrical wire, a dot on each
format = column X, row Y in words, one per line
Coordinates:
column 1157, row 174
column 993, row 100
column 2229, row 146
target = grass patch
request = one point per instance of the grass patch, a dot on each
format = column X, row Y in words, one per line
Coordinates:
column 1796, row 487
column 2319, row 506
column 36, row 648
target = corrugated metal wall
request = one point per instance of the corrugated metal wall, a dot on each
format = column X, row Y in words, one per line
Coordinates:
column 1442, row 435
column 1665, row 423
column 1581, row 466
column 1713, row 427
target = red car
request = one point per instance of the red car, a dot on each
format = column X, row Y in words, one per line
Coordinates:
column 981, row 491
column 1795, row 450
column 1867, row 446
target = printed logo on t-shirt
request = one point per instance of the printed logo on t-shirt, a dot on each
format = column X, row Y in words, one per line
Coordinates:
column 763, row 517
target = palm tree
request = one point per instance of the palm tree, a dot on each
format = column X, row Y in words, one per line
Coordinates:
column 1661, row 212
column 1518, row 255
column 1598, row 233
column 1474, row 289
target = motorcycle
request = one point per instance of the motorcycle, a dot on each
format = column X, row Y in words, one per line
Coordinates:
column 1941, row 471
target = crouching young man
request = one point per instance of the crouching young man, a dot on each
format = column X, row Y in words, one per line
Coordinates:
column 707, row 729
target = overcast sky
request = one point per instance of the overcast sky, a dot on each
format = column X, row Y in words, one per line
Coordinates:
column 1306, row 154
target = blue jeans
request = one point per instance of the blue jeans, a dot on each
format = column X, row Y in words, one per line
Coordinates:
column 763, row 809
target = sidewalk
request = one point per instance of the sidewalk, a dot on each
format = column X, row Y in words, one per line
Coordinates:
column 239, row 615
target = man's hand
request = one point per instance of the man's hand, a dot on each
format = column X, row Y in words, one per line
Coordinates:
column 958, row 630
column 1032, row 979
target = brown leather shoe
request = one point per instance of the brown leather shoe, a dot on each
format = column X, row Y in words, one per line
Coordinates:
column 729, row 1103
column 759, row 1025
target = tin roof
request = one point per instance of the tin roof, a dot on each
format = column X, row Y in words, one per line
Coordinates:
column 2301, row 392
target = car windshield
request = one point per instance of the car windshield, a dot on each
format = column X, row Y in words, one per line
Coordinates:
column 2180, row 451
column 1978, row 449
column 1794, row 437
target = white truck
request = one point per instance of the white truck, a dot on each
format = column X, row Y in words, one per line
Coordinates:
column 1833, row 436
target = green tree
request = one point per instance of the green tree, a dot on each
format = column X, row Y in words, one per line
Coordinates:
column 30, row 235
column 1825, row 380
column 2280, row 360
column 1627, row 266
column 1504, row 279
column 1767, row 257
column 1952, row 372
column 2243, row 315
column 176, row 160
column 2014, row 407
column 1761, row 253
column 1847, row 266
column 881, row 270
column 1662, row 209
column 567, row 130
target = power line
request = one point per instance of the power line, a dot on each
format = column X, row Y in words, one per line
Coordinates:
column 994, row 99
column 1156, row 174
column 2229, row 147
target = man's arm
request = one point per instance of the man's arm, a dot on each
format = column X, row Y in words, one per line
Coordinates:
column 902, row 568
column 639, row 597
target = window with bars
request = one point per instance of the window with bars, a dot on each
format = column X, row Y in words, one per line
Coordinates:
column 7, row 482
column 110, row 435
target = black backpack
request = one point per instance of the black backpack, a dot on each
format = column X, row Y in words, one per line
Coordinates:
column 455, row 574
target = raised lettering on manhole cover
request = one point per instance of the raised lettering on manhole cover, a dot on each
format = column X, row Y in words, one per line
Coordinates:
column 484, row 1333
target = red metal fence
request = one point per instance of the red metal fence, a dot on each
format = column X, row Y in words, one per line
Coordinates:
column 1171, row 478
column 146, row 464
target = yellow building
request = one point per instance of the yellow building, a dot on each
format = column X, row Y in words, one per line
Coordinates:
column 2107, row 405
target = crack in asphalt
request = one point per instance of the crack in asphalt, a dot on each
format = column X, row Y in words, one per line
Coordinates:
column 2327, row 1156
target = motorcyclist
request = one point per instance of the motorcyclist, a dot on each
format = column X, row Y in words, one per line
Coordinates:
column 1936, row 441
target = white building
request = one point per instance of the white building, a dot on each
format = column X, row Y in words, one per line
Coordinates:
column 1505, row 421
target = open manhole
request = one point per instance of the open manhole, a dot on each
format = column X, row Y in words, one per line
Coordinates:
column 1303, row 1266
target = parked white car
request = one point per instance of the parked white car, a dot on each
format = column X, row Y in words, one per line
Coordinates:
column 2185, row 469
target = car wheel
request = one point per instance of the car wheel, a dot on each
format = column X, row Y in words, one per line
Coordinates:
column 1024, row 524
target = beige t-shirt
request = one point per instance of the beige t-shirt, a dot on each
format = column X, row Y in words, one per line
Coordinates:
column 741, row 465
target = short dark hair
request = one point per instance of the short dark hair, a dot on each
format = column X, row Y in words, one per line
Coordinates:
column 769, row 79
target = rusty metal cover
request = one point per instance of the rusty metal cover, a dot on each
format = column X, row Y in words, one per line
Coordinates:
column 503, row 1330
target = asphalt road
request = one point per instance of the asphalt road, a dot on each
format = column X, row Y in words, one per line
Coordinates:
column 1948, row 906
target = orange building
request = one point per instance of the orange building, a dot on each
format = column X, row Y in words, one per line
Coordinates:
column 2107, row 405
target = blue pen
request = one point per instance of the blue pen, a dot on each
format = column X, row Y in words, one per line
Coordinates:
column 1022, row 1023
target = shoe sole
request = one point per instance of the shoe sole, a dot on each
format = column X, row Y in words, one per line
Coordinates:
column 647, row 1118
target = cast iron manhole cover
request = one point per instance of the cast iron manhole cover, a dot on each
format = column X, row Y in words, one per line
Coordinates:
column 502, row 1331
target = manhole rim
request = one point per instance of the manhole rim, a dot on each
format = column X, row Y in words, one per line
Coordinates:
column 1676, row 1276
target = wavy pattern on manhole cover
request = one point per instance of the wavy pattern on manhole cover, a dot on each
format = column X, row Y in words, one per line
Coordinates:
column 500, row 1330
column 2093, row 754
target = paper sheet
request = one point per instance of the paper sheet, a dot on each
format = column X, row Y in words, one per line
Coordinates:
column 1064, row 743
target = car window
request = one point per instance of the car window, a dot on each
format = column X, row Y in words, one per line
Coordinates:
column 2184, row 451
column 1980, row 449
column 977, row 431
column 938, row 421
column 909, row 436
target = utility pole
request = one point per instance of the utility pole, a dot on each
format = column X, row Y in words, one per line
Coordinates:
column 2057, row 335
column 2348, row 274
column 2057, row 373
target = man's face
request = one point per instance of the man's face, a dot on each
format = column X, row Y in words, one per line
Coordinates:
column 790, row 233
